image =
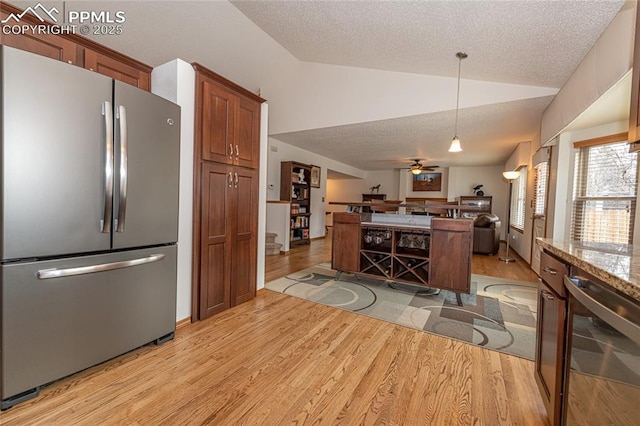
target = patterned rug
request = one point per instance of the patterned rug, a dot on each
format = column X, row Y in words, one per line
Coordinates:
column 499, row 314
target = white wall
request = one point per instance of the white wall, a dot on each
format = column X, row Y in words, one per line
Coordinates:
column 278, row 215
column 262, row 194
column 604, row 65
column 175, row 81
column 463, row 179
column 520, row 242
column 323, row 95
column 278, row 152
column 389, row 181
column 345, row 190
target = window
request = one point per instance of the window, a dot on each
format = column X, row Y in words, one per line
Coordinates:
column 540, row 188
column 604, row 193
column 518, row 200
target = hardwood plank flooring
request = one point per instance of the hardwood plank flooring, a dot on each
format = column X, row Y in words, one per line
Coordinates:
column 281, row 360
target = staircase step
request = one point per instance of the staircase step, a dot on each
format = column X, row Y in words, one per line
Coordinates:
column 272, row 248
column 271, row 237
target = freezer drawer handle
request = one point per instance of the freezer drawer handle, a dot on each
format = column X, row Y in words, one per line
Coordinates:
column 82, row 270
column 108, row 167
column 124, row 167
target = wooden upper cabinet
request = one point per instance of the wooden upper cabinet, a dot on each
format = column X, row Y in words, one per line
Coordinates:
column 50, row 45
column 248, row 133
column 130, row 72
column 227, row 120
column 634, row 113
column 217, row 125
column 77, row 50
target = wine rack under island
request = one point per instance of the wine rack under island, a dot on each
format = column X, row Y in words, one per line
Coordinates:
column 436, row 253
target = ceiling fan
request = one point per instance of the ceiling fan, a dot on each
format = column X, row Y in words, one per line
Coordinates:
column 416, row 168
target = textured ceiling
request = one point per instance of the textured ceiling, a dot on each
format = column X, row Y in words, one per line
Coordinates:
column 521, row 42
column 536, row 43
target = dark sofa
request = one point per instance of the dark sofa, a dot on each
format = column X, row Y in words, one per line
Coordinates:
column 486, row 234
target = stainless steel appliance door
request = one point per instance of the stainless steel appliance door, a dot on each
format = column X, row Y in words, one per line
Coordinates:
column 147, row 134
column 59, row 317
column 54, row 153
column 602, row 380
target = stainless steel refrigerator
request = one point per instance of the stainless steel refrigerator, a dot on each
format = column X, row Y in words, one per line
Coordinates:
column 89, row 220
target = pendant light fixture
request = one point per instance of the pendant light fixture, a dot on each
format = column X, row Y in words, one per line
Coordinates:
column 455, row 143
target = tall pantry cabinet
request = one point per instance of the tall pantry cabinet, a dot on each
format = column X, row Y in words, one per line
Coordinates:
column 226, row 158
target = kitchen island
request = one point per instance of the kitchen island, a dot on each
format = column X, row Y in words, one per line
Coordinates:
column 431, row 252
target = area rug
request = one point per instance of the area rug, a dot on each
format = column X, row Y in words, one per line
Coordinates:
column 499, row 314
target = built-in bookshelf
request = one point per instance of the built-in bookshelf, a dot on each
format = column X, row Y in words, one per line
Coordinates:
column 295, row 187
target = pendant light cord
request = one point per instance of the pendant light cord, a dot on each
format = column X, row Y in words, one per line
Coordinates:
column 458, row 96
column 460, row 56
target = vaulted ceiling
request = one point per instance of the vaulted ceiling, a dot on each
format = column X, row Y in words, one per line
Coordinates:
column 531, row 43
column 520, row 54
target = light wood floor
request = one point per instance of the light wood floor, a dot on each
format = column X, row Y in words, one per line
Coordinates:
column 281, row 360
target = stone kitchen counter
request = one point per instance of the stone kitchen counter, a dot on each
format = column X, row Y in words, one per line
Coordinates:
column 617, row 265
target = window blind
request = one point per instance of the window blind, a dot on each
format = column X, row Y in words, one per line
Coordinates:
column 540, row 176
column 518, row 200
column 604, row 193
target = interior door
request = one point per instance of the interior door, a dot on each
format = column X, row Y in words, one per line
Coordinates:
column 147, row 135
column 53, row 157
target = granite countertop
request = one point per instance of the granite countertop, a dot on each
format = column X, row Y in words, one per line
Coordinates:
column 618, row 265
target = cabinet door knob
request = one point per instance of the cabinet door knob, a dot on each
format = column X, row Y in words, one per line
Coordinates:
column 236, row 183
column 230, row 151
column 230, row 179
column 237, row 152
column 550, row 271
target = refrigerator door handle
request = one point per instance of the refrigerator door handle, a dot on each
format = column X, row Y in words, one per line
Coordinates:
column 105, row 224
column 124, row 157
column 45, row 274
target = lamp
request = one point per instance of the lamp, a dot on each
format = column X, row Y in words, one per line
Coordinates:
column 416, row 169
column 510, row 176
column 455, row 143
